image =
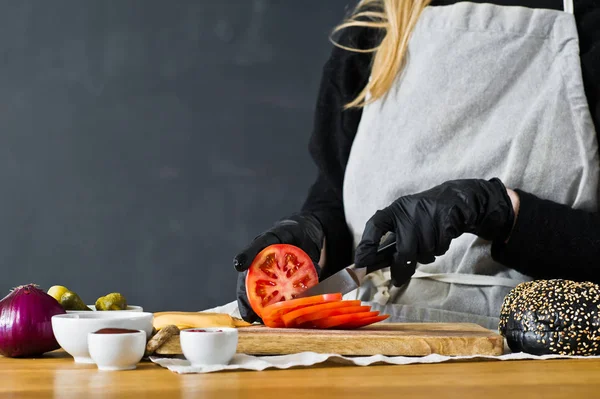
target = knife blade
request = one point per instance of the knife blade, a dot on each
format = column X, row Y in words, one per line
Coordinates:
column 350, row 278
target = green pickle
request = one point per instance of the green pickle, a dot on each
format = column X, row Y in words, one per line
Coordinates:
column 112, row 301
column 71, row 301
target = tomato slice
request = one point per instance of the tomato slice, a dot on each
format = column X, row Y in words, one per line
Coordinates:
column 274, row 319
column 363, row 322
column 310, row 319
column 334, row 321
column 273, row 323
column 290, row 317
column 278, row 309
column 278, row 273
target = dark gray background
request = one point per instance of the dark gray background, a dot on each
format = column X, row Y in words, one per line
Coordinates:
column 143, row 143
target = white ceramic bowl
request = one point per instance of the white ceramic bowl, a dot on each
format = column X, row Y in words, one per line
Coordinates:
column 213, row 346
column 71, row 330
column 121, row 351
column 131, row 308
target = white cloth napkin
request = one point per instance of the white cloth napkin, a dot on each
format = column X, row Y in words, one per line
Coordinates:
column 306, row 359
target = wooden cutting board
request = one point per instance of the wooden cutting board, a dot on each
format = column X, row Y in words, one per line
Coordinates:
column 392, row 339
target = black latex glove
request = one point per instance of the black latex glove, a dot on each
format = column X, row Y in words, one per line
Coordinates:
column 302, row 230
column 426, row 223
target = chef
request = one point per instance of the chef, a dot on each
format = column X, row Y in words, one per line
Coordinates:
column 466, row 129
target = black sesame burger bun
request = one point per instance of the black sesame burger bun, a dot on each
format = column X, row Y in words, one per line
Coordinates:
column 552, row 317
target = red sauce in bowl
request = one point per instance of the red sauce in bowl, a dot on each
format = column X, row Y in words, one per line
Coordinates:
column 200, row 330
column 115, row 331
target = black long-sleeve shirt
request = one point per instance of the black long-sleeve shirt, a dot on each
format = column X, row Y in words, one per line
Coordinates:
column 549, row 240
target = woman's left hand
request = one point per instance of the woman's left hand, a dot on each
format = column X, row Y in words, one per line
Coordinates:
column 426, row 223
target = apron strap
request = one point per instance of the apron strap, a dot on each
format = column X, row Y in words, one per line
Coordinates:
column 469, row 279
column 568, row 6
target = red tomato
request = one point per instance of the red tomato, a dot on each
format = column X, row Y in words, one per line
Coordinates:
column 335, row 321
column 289, row 318
column 363, row 322
column 278, row 273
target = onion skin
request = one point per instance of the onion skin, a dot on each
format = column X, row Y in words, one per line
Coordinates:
column 25, row 322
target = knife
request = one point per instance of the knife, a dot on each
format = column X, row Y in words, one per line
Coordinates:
column 350, row 278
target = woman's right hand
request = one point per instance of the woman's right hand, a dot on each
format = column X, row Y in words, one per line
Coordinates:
column 301, row 230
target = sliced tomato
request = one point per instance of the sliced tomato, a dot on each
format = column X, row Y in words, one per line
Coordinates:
column 290, row 317
column 278, row 273
column 274, row 318
column 273, row 323
column 324, row 314
column 278, row 309
column 334, row 321
column 362, row 322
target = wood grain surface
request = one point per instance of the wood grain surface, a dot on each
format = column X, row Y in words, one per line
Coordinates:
column 57, row 376
column 392, row 339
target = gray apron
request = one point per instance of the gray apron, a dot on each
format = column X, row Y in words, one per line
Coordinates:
column 487, row 91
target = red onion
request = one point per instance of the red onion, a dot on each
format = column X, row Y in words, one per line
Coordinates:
column 25, row 322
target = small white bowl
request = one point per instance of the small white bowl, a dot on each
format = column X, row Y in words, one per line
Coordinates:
column 120, row 351
column 71, row 330
column 131, row 308
column 213, row 346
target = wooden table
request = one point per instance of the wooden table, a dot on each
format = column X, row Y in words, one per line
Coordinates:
column 57, row 376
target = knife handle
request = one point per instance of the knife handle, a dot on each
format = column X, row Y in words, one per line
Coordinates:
column 383, row 258
column 385, row 254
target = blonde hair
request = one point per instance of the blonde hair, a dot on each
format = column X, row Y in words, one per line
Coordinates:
column 397, row 19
